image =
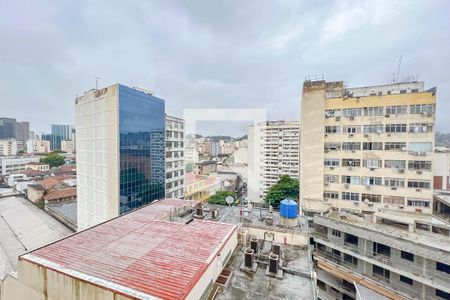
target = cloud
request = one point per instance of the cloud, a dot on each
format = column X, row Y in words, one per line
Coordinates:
column 205, row 54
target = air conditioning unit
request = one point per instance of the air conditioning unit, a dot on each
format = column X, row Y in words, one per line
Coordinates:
column 326, row 135
column 401, row 207
column 423, row 153
column 419, row 172
column 331, row 168
column 429, row 114
column 350, row 168
column 356, row 203
column 366, row 135
column 387, row 116
column 353, row 151
column 327, row 150
column 372, row 169
column 368, row 187
column 388, row 134
column 404, row 149
column 352, row 118
column 337, row 118
column 346, row 185
column 351, row 135
column 327, row 184
column 419, row 190
column 401, row 171
column 370, row 204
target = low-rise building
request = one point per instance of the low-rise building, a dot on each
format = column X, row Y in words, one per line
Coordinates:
column 38, row 166
column 61, row 195
column 441, row 169
column 10, row 165
column 206, row 167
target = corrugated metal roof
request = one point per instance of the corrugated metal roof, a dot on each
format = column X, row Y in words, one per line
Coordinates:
column 142, row 251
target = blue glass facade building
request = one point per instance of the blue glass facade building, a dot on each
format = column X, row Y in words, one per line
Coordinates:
column 60, row 133
column 142, row 148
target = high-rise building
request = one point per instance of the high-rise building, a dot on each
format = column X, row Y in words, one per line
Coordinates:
column 8, row 147
column 67, row 146
column 120, row 152
column 367, row 147
column 60, row 133
column 7, row 128
column 22, row 131
column 273, row 151
column 174, row 157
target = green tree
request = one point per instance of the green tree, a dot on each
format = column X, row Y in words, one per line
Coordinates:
column 53, row 159
column 286, row 187
column 219, row 197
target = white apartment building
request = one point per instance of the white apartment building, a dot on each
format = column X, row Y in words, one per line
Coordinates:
column 8, row 147
column 68, row 146
column 174, row 157
column 367, row 147
column 273, row 151
column 12, row 165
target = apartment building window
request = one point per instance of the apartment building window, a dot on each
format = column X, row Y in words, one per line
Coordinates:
column 351, row 146
column 394, row 146
column 351, row 179
column 395, row 164
column 419, row 165
column 394, row 182
column 373, row 128
column 396, row 110
column 381, row 272
column 442, row 294
column 346, row 162
column 352, row 112
column 332, row 146
column 406, row 280
column 374, row 111
column 336, row 233
column 330, row 113
column 351, row 239
column 420, row 147
column 420, row 127
column 397, row 200
column 351, row 260
column 381, row 249
column 331, row 178
column 372, row 146
column 352, row 129
column 372, row 163
column 419, row 184
column 407, row 256
column 350, row 196
column 395, row 128
column 421, row 109
column 331, row 162
column 418, row 202
column 371, row 198
column 372, row 181
column 442, row 267
column 332, row 129
column 331, row 195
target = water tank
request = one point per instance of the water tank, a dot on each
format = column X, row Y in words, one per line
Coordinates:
column 288, row 208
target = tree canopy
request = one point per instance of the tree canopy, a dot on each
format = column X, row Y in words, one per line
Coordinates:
column 286, row 187
column 219, row 197
column 53, row 159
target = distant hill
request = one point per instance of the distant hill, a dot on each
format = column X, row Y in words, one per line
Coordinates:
column 442, row 139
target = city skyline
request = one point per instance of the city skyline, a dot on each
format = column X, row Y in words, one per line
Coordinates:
column 240, row 56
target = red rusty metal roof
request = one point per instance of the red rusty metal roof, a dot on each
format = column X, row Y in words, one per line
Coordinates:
column 142, row 251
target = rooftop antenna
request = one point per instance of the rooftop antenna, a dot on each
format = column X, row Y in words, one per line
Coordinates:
column 96, row 82
column 398, row 70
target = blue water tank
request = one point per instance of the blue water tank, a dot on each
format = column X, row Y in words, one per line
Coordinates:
column 288, row 208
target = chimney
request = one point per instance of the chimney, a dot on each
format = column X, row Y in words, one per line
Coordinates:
column 254, row 244
column 273, row 263
column 248, row 260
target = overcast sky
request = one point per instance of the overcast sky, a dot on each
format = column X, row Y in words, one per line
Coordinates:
column 213, row 54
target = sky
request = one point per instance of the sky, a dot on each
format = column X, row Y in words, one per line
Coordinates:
column 214, row 54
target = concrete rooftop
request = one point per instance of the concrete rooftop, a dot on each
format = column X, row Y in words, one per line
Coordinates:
column 24, row 227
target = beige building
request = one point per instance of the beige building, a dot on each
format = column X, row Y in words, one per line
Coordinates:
column 68, row 146
column 8, row 147
column 441, row 168
column 367, row 147
column 38, row 166
column 174, row 157
column 273, row 151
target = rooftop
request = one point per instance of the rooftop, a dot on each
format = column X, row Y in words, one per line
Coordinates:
column 62, row 193
column 24, row 227
column 143, row 246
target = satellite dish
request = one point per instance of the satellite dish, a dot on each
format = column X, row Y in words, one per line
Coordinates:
column 229, row 200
